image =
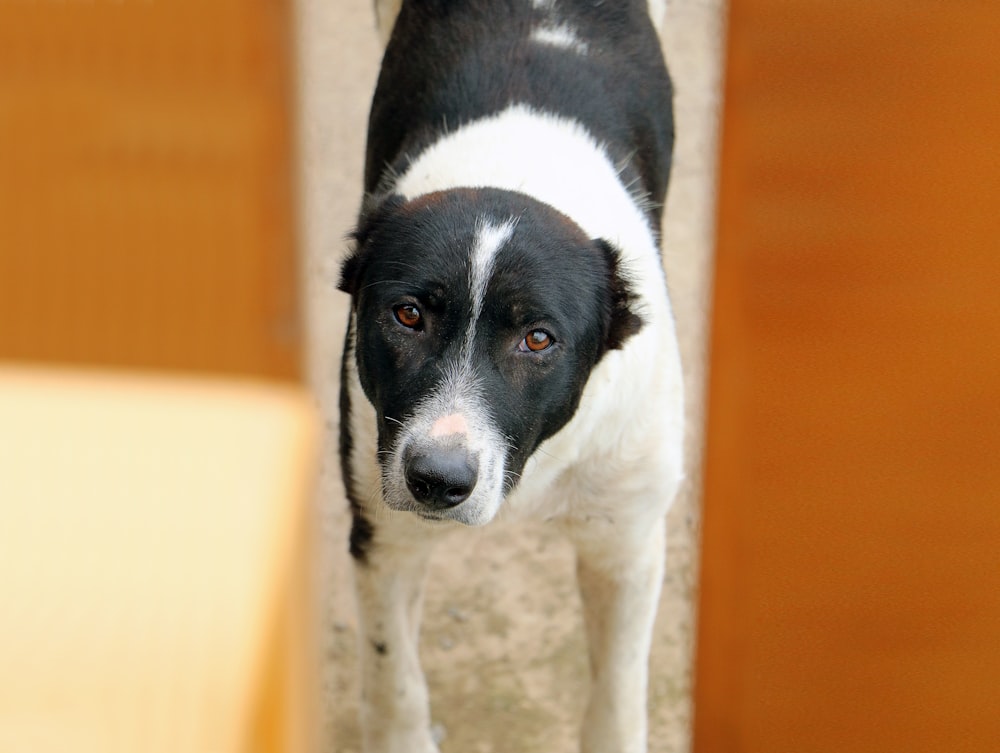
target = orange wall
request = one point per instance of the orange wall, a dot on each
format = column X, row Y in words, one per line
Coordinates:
column 851, row 562
column 145, row 185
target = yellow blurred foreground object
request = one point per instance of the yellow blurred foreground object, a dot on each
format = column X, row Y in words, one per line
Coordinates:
column 154, row 564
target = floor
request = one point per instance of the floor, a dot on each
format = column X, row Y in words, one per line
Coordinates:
column 502, row 641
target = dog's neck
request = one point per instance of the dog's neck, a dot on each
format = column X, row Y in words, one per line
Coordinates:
column 551, row 159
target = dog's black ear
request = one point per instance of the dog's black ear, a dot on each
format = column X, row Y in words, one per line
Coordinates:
column 373, row 213
column 624, row 321
column 349, row 273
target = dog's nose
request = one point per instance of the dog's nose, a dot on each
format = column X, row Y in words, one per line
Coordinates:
column 441, row 477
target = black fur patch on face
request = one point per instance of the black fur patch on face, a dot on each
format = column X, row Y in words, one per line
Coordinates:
column 548, row 277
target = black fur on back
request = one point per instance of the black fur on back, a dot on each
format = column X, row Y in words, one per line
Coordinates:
column 452, row 61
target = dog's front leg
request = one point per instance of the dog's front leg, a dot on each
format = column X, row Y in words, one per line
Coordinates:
column 620, row 579
column 395, row 715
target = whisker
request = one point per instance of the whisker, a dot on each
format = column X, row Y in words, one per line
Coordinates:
column 402, row 265
column 549, row 454
column 383, row 282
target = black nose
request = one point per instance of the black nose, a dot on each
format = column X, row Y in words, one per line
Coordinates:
column 441, row 477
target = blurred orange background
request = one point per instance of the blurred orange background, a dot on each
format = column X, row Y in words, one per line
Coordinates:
column 850, row 589
column 146, row 207
column 157, row 446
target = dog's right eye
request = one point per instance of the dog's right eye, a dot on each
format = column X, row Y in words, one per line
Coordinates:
column 408, row 315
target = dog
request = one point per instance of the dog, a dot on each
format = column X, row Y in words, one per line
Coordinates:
column 511, row 351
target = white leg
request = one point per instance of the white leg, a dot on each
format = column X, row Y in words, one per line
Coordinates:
column 620, row 586
column 395, row 714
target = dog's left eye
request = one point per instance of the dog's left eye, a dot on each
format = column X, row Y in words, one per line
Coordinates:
column 536, row 341
column 408, row 315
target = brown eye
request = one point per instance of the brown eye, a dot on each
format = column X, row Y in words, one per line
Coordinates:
column 408, row 315
column 536, row 341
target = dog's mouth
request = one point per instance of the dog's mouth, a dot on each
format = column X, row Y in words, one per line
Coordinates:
column 430, row 517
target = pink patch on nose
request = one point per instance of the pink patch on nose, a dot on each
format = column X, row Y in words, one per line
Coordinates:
column 448, row 425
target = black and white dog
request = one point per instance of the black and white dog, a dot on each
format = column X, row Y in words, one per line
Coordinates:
column 511, row 351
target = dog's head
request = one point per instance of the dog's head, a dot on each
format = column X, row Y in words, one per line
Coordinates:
column 479, row 316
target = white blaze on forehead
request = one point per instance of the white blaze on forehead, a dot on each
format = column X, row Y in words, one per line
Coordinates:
column 489, row 240
column 460, row 383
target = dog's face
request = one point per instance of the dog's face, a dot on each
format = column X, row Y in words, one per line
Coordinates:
column 479, row 314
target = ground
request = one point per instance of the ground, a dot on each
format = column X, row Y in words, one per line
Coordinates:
column 502, row 639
